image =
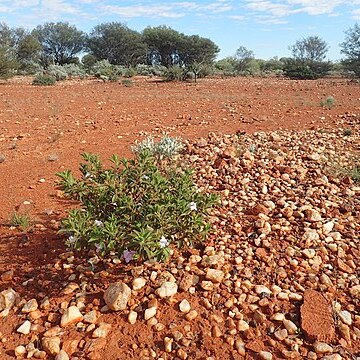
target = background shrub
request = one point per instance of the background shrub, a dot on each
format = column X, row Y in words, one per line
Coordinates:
column 44, row 80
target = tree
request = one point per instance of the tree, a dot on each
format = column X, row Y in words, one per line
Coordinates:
column 310, row 49
column 197, row 54
column 163, row 45
column 351, row 49
column 117, row 43
column 243, row 58
column 308, row 61
column 60, row 42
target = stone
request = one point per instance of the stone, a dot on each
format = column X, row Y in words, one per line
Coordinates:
column 30, row 306
column 214, row 275
column 345, row 317
column 20, row 350
column 51, row 345
column 117, row 296
column 265, row 355
column 242, row 325
column 62, row 355
column 132, row 317
column 290, row 327
column 90, row 317
column 102, row 331
column 240, row 347
column 7, row 275
column 24, row 328
column 281, row 334
column 184, row 306
column 322, row 348
column 316, row 317
column 312, row 215
column 261, row 289
column 7, row 299
column 150, row 312
column 138, row 284
column 191, row 315
column 71, row 316
column 332, row 357
column 168, row 344
column 309, row 253
column 355, row 291
column 344, row 267
column 310, row 237
column 215, row 331
column 167, row 289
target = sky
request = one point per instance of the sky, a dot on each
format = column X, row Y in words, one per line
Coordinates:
column 267, row 27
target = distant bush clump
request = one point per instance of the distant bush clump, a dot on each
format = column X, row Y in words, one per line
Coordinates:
column 44, row 80
column 58, row 72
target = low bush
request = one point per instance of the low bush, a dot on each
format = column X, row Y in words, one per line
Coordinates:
column 137, row 207
column 58, row 72
column 44, row 80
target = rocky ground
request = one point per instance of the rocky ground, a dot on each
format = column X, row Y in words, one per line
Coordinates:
column 277, row 279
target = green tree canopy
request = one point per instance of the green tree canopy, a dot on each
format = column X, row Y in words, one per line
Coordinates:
column 163, row 45
column 60, row 42
column 308, row 59
column 117, row 43
column 351, row 49
column 309, row 49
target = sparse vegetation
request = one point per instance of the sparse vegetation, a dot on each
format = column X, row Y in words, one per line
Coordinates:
column 138, row 207
column 44, row 80
column 329, row 102
column 21, row 221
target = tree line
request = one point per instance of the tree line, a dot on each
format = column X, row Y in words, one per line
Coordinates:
column 60, row 44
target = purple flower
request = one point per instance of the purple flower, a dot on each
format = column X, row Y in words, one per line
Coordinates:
column 98, row 248
column 128, row 255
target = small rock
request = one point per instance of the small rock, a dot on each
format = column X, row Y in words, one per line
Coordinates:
column 150, row 312
column 191, row 315
column 102, row 331
column 51, row 345
column 345, row 317
column 312, row 215
column 117, row 296
column 132, row 317
column 355, row 291
column 265, row 355
column 261, row 289
column 240, row 347
column 7, row 275
column 62, row 355
column 71, row 315
column 332, row 357
column 30, row 306
column 184, row 306
column 290, row 327
column 215, row 331
column 90, row 317
column 138, row 284
column 24, row 328
column 242, row 325
column 214, row 275
column 168, row 344
column 167, row 289
column 7, row 299
column 322, row 348
column 20, row 350
column 281, row 334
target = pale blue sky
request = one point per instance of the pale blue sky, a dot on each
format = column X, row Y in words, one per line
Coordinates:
column 267, row 27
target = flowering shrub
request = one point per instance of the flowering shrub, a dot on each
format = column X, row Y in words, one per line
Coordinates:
column 136, row 208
